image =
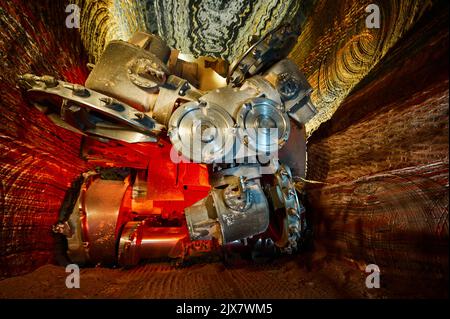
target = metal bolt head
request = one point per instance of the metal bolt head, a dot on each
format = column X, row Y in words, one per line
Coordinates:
column 291, row 192
column 80, row 90
column 107, row 100
column 292, row 211
column 293, row 229
column 288, row 86
column 248, row 106
column 49, row 81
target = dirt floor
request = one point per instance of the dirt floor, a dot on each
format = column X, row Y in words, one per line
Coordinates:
column 320, row 277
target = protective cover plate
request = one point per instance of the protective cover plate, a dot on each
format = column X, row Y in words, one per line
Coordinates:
column 202, row 132
column 263, row 126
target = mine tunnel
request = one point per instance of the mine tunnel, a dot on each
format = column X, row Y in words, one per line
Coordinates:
column 375, row 191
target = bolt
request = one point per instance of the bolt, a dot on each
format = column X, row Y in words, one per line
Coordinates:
column 107, row 100
column 292, row 211
column 77, row 90
column 293, row 229
column 49, row 81
column 288, row 86
column 293, row 243
column 81, row 91
column 291, row 192
column 248, row 106
column 183, row 89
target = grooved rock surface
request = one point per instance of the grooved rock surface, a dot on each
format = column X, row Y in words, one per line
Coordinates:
column 283, row 279
column 384, row 161
column 336, row 50
column 38, row 160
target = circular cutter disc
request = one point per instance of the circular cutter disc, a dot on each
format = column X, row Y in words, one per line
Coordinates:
column 201, row 132
column 263, row 126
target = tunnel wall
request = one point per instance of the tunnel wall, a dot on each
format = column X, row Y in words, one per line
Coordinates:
column 38, row 160
column 383, row 159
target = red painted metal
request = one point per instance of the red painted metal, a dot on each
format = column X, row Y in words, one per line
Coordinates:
column 169, row 188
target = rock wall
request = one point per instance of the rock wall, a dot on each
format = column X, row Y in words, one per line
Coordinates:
column 38, row 160
column 384, row 160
